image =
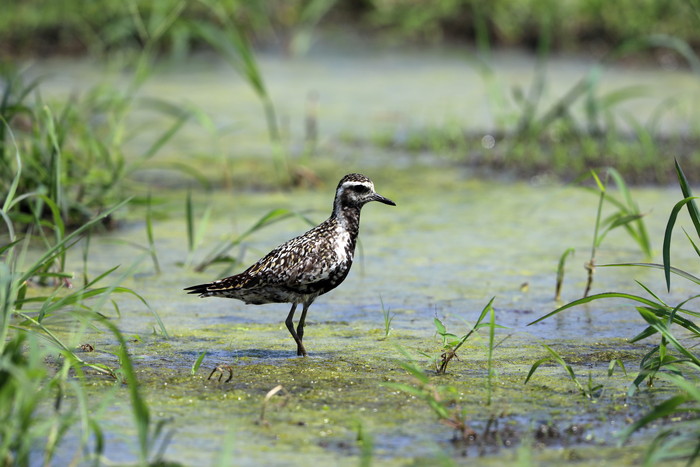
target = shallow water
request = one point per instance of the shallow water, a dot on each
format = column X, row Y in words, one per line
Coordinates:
column 452, row 242
column 371, row 92
column 442, row 252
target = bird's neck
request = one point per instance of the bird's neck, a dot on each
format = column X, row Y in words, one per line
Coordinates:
column 348, row 217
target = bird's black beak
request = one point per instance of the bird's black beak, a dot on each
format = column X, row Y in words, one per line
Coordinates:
column 381, row 199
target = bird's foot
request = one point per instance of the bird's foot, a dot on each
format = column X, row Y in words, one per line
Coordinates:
column 301, row 351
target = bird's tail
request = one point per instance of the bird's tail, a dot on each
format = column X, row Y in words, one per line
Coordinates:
column 201, row 289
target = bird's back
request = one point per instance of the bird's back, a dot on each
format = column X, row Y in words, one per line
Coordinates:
column 301, row 268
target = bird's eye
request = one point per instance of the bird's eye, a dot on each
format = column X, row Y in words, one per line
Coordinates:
column 362, row 189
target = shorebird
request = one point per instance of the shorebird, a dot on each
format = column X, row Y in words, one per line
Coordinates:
column 306, row 266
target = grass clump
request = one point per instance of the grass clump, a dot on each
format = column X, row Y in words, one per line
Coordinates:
column 451, row 343
column 627, row 216
column 43, row 376
column 670, row 358
column 590, row 390
column 439, row 398
column 72, row 153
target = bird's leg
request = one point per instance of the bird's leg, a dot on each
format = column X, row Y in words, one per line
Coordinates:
column 300, row 326
column 290, row 326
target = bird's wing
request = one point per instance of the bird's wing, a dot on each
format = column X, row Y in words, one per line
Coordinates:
column 300, row 261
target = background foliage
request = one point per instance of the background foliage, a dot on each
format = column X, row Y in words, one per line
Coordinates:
column 75, row 26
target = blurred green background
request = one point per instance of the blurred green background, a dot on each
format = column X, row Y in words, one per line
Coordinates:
column 79, row 26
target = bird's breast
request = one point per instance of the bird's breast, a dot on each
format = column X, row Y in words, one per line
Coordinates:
column 343, row 245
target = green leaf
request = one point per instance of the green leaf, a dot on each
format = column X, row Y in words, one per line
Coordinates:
column 676, row 271
column 198, row 362
column 695, row 247
column 666, row 408
column 440, row 328
column 689, row 201
column 660, row 325
column 687, row 193
column 591, row 298
column 67, row 242
column 616, row 362
column 535, row 366
column 601, row 187
column 189, row 217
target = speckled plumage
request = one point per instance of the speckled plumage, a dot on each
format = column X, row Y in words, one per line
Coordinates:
column 306, row 266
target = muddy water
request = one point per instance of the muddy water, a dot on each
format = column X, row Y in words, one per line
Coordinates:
column 453, row 242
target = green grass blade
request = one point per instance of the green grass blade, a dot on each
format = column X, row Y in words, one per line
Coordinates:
column 56, row 165
column 151, row 237
column 616, row 362
column 621, row 185
column 68, row 240
column 687, row 193
column 671, row 269
column 695, row 247
column 198, row 363
column 492, row 332
column 221, row 249
column 560, row 272
column 476, row 326
column 189, row 216
column 601, row 186
column 138, row 403
column 653, row 295
column 414, row 371
column 666, row 408
column 570, row 371
column 591, row 298
column 9, row 197
column 690, row 202
column 439, row 327
column 647, row 332
column 165, row 137
column 660, row 325
column 536, row 365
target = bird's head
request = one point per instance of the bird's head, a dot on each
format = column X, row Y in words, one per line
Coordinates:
column 356, row 190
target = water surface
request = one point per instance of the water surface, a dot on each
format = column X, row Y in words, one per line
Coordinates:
column 453, row 241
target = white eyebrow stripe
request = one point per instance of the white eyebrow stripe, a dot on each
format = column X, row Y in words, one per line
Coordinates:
column 349, row 184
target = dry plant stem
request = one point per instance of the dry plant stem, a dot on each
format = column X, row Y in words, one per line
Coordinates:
column 451, row 353
column 446, row 357
column 266, row 401
column 590, row 267
column 221, row 369
column 560, row 272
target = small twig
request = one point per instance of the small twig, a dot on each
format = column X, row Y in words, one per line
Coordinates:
column 266, row 401
column 222, row 369
column 590, row 267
